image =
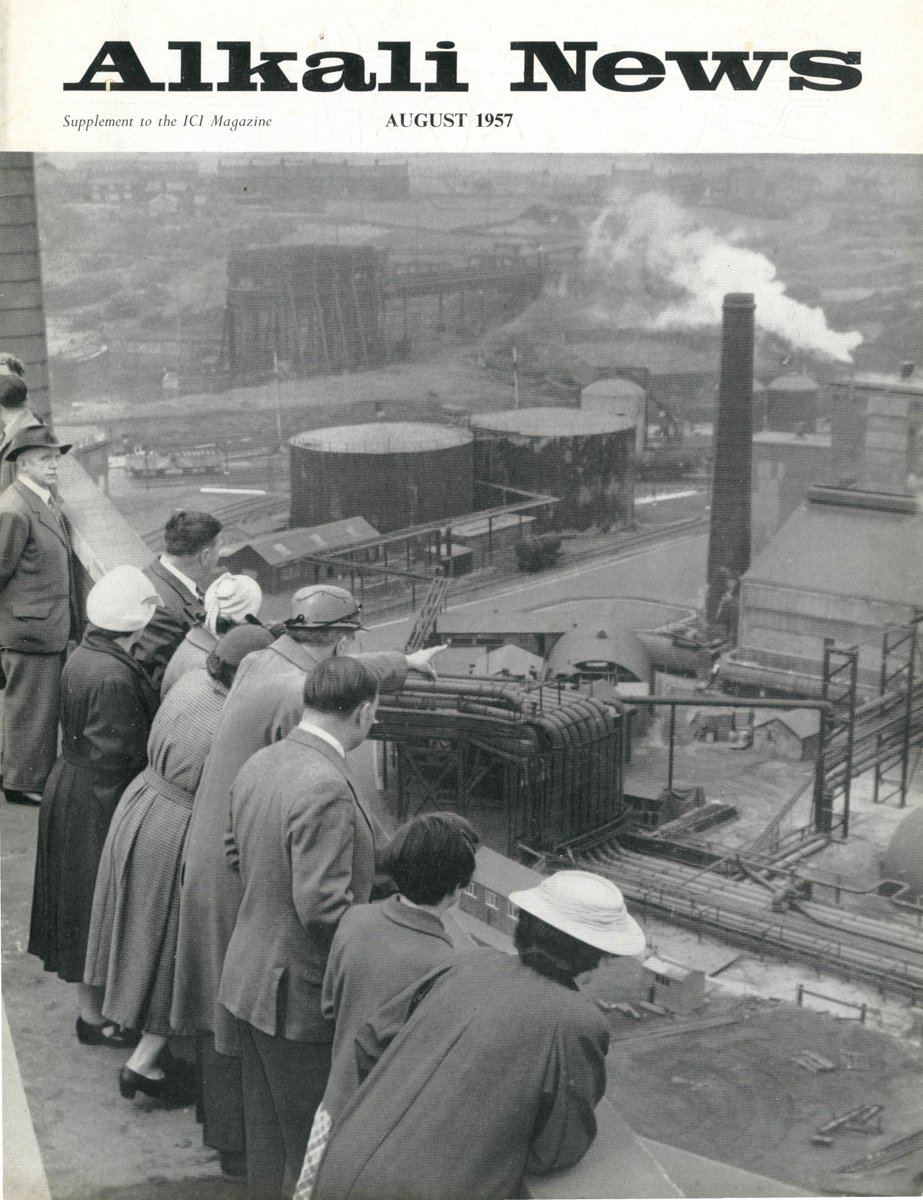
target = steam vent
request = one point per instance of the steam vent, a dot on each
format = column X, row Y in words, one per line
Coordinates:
column 584, row 458
column 394, row 474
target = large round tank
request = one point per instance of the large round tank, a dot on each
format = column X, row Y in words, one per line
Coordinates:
column 584, row 458
column 792, row 403
column 394, row 474
column 621, row 397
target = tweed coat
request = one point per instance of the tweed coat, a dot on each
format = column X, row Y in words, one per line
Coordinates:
column 132, row 941
column 107, row 707
column 178, row 611
column 37, row 602
column 496, row 1073
column 378, row 950
column 304, row 844
column 264, row 704
column 189, row 655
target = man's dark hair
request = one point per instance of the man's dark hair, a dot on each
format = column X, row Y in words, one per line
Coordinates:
column 430, row 856
column 189, row 533
column 13, row 392
column 552, row 952
column 337, row 686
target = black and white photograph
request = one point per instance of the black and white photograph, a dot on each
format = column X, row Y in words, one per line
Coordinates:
column 461, row 687
column 461, row 672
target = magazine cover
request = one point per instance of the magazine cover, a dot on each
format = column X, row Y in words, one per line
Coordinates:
column 460, row 575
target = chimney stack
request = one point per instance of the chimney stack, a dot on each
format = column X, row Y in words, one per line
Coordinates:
column 729, row 538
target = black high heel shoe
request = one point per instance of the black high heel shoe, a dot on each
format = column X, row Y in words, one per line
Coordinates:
column 106, row 1034
column 177, row 1087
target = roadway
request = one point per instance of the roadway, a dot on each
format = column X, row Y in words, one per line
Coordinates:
column 671, row 571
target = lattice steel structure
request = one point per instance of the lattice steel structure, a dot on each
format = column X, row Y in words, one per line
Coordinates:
column 315, row 309
column 546, row 760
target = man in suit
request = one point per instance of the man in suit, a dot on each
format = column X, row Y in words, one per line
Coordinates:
column 15, row 415
column 304, row 843
column 181, row 574
column 265, row 703
column 37, row 612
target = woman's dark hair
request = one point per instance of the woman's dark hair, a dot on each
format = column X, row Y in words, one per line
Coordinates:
column 224, row 625
column 552, row 952
column 221, row 671
column 430, row 856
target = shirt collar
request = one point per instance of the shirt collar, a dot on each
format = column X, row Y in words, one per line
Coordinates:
column 44, row 493
column 316, row 731
column 184, row 579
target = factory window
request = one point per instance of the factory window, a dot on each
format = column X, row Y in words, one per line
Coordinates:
column 490, row 900
column 471, row 890
column 512, row 910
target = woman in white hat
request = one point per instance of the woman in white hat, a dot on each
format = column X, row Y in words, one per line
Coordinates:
column 229, row 600
column 107, row 706
column 488, row 1070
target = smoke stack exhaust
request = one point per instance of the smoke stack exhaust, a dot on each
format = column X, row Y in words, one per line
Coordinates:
column 729, row 537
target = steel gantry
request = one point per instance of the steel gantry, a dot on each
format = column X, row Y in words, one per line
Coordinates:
column 546, row 759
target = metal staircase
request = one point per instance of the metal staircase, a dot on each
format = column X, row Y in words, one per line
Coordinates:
column 426, row 617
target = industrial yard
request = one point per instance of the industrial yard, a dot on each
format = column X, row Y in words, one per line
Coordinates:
column 640, row 440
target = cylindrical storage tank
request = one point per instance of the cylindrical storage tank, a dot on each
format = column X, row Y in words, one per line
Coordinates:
column 622, row 397
column 394, row 474
column 586, row 459
column 792, row 403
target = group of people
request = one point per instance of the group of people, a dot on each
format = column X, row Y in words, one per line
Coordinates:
column 208, row 867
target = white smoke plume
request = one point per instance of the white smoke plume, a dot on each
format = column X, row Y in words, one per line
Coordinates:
column 652, row 239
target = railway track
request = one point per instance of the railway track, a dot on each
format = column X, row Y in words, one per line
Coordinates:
column 888, row 954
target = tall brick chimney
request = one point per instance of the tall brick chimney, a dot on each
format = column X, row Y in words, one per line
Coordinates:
column 22, row 315
column 729, row 537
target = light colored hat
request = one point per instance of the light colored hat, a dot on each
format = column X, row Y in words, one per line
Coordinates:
column 324, row 606
column 588, row 907
column 231, row 596
column 123, row 601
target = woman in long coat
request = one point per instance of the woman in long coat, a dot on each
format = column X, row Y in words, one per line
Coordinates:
column 229, row 601
column 132, row 941
column 491, row 1069
column 107, row 706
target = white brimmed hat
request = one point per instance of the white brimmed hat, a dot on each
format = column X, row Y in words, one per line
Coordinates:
column 123, row 601
column 588, row 907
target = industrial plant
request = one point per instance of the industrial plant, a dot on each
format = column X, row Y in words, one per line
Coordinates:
column 640, row 442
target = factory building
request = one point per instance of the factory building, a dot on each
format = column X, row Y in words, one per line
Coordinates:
column 586, row 459
column 785, row 465
column 395, row 474
column 576, row 639
column 846, row 565
column 288, row 558
column 877, row 429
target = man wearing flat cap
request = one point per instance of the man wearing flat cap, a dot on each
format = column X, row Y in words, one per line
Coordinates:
column 38, row 612
column 15, row 415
